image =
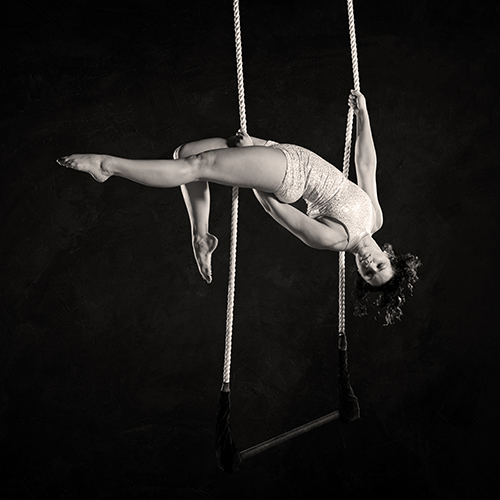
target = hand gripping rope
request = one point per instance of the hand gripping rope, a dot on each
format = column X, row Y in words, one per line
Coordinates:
column 228, row 456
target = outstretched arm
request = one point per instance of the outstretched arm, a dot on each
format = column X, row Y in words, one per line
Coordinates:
column 311, row 232
column 365, row 156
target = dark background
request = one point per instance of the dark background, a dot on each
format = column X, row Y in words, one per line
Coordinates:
column 111, row 343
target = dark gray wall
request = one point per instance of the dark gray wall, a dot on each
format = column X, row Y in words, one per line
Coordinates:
column 112, row 345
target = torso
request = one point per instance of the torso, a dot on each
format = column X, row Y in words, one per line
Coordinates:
column 346, row 242
column 331, row 198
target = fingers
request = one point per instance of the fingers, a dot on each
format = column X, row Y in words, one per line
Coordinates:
column 353, row 101
column 242, row 133
column 356, row 94
column 243, row 139
column 357, row 100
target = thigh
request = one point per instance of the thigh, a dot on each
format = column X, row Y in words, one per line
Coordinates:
column 255, row 167
column 197, row 147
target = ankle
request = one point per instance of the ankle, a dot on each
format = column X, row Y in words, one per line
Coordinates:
column 199, row 236
column 205, row 243
column 107, row 164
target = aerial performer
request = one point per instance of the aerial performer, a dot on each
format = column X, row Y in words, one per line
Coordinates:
column 340, row 215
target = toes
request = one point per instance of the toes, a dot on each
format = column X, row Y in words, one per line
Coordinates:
column 206, row 271
column 66, row 162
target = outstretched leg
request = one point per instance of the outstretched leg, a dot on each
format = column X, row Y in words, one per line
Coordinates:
column 254, row 167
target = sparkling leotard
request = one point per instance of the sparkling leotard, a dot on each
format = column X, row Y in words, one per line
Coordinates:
column 326, row 191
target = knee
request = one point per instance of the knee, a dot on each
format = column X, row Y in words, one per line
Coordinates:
column 183, row 151
column 201, row 164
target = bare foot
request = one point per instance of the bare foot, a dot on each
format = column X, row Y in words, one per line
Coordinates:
column 203, row 249
column 92, row 164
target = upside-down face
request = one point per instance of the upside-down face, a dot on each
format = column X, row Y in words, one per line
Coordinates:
column 374, row 266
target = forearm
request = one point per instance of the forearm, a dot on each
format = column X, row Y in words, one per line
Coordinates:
column 364, row 152
column 284, row 216
column 265, row 199
column 309, row 231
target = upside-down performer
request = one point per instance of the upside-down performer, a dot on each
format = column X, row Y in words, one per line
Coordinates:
column 340, row 216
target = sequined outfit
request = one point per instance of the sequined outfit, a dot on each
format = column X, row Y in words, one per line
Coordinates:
column 325, row 190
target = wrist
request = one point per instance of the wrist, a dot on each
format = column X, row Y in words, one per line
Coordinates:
column 363, row 119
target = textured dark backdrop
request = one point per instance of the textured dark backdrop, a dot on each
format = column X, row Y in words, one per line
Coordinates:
column 111, row 344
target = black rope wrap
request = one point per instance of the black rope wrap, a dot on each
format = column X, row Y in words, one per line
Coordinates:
column 228, row 456
column 348, row 402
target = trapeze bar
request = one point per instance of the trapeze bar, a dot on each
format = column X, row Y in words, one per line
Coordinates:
column 250, row 452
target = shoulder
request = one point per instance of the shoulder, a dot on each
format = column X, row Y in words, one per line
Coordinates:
column 336, row 236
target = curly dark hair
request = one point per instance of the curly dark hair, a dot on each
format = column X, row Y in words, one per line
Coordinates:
column 392, row 293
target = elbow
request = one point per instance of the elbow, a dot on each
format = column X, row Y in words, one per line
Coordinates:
column 263, row 199
column 267, row 207
column 366, row 164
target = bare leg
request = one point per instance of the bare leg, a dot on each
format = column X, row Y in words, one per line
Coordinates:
column 197, row 200
column 253, row 167
column 90, row 163
column 197, row 194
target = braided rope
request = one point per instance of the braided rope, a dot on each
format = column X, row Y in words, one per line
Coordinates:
column 347, row 159
column 235, row 202
column 354, row 50
column 239, row 66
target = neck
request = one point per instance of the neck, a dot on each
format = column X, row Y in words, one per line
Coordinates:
column 364, row 244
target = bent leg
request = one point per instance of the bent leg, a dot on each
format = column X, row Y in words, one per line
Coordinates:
column 196, row 197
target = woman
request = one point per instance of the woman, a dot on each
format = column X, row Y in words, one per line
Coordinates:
column 341, row 216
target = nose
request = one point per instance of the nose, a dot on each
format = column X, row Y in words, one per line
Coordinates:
column 368, row 264
column 372, row 266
